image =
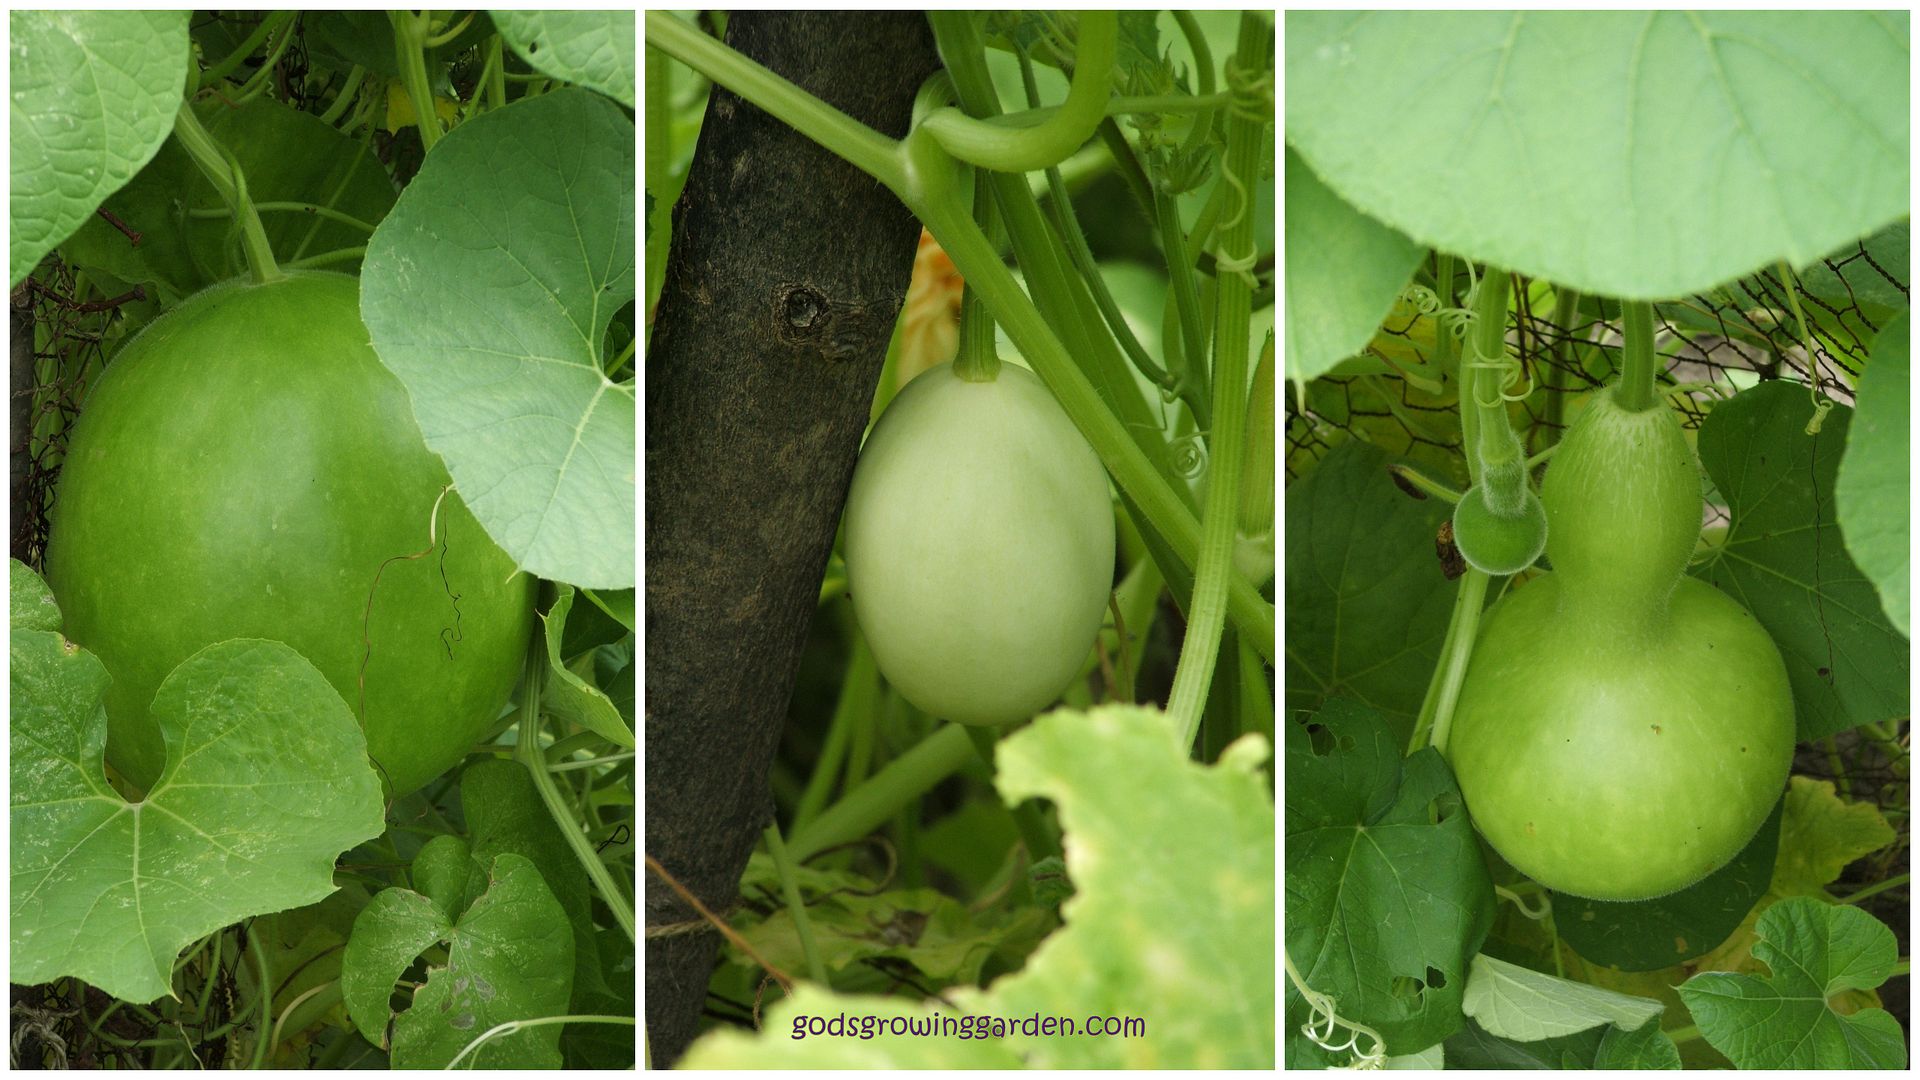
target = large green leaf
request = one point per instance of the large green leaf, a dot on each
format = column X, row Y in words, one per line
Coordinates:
column 1784, row 558
column 1344, row 271
column 507, row 959
column 94, row 95
column 1814, row 951
column 1642, row 154
column 1366, row 602
column 488, row 292
column 1386, row 886
column 1876, row 475
column 266, row 783
column 591, row 48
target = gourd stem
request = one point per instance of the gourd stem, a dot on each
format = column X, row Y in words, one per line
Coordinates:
column 976, row 359
column 221, row 169
column 1496, row 455
column 1634, row 393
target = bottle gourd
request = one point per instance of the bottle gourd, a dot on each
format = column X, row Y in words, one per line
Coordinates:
column 1623, row 729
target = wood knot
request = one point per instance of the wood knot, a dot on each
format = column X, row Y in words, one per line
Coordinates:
column 807, row 318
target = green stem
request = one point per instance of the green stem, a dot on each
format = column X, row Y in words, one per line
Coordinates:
column 528, row 752
column 858, row 693
column 497, row 86
column 1634, row 392
column 1186, row 290
column 346, row 97
column 1082, row 255
column 1495, row 445
column 223, row 172
column 452, row 32
column 327, row 258
column 1027, row 819
column 1004, row 147
column 1425, row 483
column 300, row 207
column 1203, row 68
column 409, row 50
column 239, row 55
column 861, row 146
column 1443, row 689
column 904, row 779
column 1246, row 130
column 257, row 84
column 796, row 904
column 976, row 359
column 1878, row 887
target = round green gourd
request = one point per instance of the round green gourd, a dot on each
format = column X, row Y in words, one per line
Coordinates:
column 1623, row 729
column 243, row 468
column 1497, row 543
column 979, row 545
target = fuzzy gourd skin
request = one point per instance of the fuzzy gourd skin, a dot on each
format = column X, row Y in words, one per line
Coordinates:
column 979, row 545
column 1623, row 730
column 1499, row 543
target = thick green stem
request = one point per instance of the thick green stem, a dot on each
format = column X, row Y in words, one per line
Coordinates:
column 1496, row 444
column 1005, row 147
column 1634, row 392
column 976, row 359
column 1444, row 693
column 861, row 146
column 409, row 49
column 905, row 779
column 223, row 172
column 1246, row 131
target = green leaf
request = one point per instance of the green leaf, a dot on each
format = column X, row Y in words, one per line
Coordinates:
column 1512, row 1002
column 1633, row 154
column 94, row 95
column 591, row 48
column 1874, row 493
column 506, row 816
column 506, row 960
column 1208, row 982
column 857, row 921
column 30, row 605
column 535, row 198
column 1366, row 602
column 1473, row 1048
column 1783, row 558
column 1387, row 893
column 567, row 694
column 1814, row 950
column 266, row 783
column 1645, row 1047
column 1344, row 272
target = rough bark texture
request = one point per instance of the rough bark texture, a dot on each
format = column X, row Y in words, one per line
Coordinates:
column 787, row 271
